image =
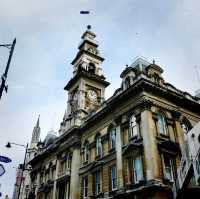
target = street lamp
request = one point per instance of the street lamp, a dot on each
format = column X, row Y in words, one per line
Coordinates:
column 9, row 145
column 4, row 76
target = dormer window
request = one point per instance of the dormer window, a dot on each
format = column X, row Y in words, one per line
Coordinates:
column 156, row 78
column 91, row 68
column 127, row 82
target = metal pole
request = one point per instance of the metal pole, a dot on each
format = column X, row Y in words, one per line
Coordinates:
column 4, row 77
column 23, row 168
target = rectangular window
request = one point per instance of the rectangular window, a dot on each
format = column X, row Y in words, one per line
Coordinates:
column 69, row 160
column 85, row 187
column 133, row 127
column 161, row 124
column 137, row 169
column 97, row 182
column 99, row 148
column 113, row 177
column 168, row 167
column 112, row 138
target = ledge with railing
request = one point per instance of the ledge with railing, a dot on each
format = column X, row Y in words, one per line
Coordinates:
column 65, row 173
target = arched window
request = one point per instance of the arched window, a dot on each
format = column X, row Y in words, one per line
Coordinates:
column 161, row 124
column 156, row 78
column 185, row 128
column 98, row 146
column 186, row 125
column 127, row 82
column 112, row 137
column 133, row 129
column 91, row 68
column 86, row 152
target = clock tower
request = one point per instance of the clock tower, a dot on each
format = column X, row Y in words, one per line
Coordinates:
column 86, row 89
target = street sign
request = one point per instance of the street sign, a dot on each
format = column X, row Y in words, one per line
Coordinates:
column 2, row 170
column 5, row 159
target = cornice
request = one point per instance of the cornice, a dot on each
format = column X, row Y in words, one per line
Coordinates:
column 83, row 73
column 88, row 53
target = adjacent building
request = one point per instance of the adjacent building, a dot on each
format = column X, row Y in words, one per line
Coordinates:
column 128, row 146
column 19, row 178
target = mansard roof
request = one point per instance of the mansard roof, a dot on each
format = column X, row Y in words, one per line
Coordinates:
column 127, row 70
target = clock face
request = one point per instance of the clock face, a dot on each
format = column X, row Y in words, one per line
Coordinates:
column 92, row 95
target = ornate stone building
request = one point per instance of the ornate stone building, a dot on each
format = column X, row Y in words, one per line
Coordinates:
column 128, row 146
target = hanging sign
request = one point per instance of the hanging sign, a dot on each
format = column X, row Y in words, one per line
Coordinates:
column 2, row 170
column 5, row 159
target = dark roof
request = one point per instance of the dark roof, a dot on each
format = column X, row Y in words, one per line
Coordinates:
column 127, row 70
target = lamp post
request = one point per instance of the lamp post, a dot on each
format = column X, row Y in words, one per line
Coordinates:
column 4, row 76
column 9, row 145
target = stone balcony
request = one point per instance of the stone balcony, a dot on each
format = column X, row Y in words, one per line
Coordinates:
column 64, row 174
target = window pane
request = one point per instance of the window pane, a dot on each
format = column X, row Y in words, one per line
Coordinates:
column 137, row 169
column 85, row 187
column 112, row 138
column 168, row 168
column 161, row 124
column 98, row 146
column 97, row 182
column 86, row 152
column 133, row 127
column 113, row 177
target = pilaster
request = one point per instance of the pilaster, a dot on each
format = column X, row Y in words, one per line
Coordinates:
column 151, row 155
column 55, row 181
column 176, row 116
column 74, row 183
column 119, row 162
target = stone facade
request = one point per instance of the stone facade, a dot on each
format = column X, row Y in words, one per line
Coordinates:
column 128, row 146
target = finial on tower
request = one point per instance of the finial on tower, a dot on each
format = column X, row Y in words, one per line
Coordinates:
column 89, row 27
column 38, row 121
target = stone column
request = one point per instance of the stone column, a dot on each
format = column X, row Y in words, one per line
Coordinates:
column 180, row 135
column 74, row 183
column 151, row 155
column 55, row 179
column 37, row 184
column 179, row 132
column 119, row 158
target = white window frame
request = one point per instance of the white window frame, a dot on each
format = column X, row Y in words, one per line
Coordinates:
column 113, row 178
column 164, row 167
column 133, row 127
column 98, row 183
column 85, row 187
column 135, row 172
column 112, row 142
column 98, row 146
column 86, row 152
column 162, row 121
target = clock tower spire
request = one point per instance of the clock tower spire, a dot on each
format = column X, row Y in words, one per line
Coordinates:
column 86, row 89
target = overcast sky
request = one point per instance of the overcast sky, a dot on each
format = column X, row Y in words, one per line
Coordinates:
column 48, row 33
